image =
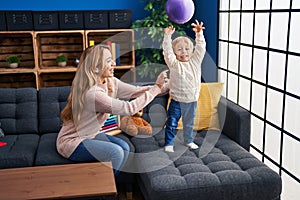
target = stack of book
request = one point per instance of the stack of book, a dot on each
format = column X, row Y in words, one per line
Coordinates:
column 111, row 125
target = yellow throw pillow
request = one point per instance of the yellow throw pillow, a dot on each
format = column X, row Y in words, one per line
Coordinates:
column 207, row 108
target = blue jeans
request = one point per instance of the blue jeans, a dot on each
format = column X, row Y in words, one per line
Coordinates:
column 175, row 111
column 102, row 148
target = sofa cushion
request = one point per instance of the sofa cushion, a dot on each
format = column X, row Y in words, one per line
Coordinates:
column 47, row 153
column 155, row 111
column 51, row 102
column 125, row 137
column 227, row 172
column 19, row 151
column 18, row 110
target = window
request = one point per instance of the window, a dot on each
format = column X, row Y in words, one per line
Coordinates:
column 259, row 56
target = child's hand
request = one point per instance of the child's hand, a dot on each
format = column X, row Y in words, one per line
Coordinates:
column 169, row 30
column 198, row 27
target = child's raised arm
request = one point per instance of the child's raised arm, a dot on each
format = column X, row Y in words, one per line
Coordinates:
column 168, row 52
column 200, row 46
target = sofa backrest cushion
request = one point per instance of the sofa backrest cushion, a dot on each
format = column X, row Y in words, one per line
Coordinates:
column 51, row 102
column 155, row 112
column 18, row 110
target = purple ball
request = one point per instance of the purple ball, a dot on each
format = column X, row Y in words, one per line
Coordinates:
column 180, row 11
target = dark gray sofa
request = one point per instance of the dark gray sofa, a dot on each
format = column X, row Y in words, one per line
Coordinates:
column 30, row 120
column 223, row 170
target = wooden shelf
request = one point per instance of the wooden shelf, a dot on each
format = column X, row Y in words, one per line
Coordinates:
column 17, row 70
column 18, row 80
column 19, row 43
column 38, row 51
column 125, row 67
column 50, row 44
column 57, row 69
column 54, row 79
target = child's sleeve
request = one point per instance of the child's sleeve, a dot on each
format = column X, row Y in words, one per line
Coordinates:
column 168, row 52
column 200, row 47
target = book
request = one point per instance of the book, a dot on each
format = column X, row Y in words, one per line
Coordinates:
column 118, row 59
column 110, row 126
column 113, row 51
column 108, row 43
column 107, row 123
column 91, row 43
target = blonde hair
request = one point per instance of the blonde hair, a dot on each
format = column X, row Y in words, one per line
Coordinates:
column 184, row 39
column 90, row 68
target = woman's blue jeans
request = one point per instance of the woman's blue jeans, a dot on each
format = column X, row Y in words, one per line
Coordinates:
column 102, row 148
column 176, row 110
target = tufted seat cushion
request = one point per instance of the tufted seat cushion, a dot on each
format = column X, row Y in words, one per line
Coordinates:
column 47, row 153
column 18, row 118
column 19, row 151
column 227, row 172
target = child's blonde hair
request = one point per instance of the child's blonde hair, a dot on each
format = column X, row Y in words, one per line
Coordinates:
column 184, row 39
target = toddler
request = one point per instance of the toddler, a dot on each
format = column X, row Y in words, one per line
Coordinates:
column 184, row 63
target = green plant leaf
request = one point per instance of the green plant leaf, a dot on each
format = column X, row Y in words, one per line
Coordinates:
column 150, row 61
column 13, row 59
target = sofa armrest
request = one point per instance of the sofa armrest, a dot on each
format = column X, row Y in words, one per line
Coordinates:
column 235, row 122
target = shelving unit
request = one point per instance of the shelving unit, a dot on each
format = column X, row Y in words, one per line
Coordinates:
column 38, row 50
column 125, row 39
column 21, row 44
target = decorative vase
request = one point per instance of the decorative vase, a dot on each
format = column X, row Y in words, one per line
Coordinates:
column 13, row 65
column 62, row 64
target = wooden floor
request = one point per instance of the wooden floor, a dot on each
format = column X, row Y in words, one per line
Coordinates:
column 137, row 195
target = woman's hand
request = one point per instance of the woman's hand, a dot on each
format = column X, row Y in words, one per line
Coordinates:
column 169, row 30
column 198, row 27
column 161, row 78
column 165, row 88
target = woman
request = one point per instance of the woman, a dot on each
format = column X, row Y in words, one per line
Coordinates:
column 93, row 97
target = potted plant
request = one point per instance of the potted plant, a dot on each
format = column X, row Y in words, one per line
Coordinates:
column 61, row 60
column 150, row 30
column 13, row 61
